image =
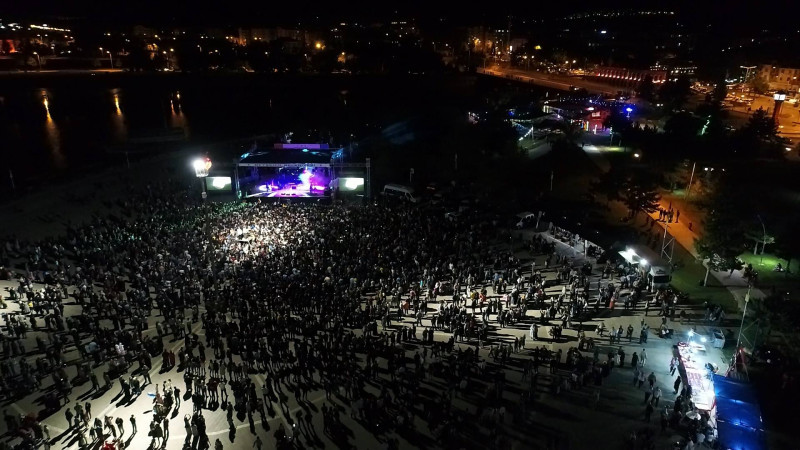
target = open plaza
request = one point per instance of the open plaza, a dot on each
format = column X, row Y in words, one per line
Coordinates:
column 168, row 323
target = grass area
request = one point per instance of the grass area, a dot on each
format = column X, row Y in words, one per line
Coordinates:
column 767, row 278
column 688, row 277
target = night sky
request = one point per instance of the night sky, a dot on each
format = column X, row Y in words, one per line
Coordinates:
column 738, row 14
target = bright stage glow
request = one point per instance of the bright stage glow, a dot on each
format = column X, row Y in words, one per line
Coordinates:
column 263, row 188
column 218, row 183
column 353, row 183
column 305, row 180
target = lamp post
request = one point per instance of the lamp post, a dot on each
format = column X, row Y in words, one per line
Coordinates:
column 201, row 167
column 763, row 238
column 691, row 178
column 38, row 60
column 110, row 58
column 746, row 75
column 744, row 313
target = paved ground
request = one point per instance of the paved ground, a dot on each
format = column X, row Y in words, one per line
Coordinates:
column 565, row 420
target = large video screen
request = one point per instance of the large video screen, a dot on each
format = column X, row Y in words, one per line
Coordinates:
column 218, row 184
column 351, row 184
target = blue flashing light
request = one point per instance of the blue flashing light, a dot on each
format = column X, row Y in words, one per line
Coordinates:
column 305, row 150
column 629, row 109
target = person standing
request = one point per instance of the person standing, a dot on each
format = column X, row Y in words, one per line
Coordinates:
column 120, row 424
column 647, row 393
column 643, row 357
column 656, row 395
column 677, row 385
column 110, row 426
column 133, row 424
column 166, row 429
column 68, row 415
column 648, row 411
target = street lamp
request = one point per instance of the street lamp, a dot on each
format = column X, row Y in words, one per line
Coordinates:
column 744, row 313
column 764, row 237
column 201, row 167
column 746, row 75
column 38, row 60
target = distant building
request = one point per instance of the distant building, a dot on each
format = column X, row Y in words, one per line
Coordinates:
column 628, row 77
column 780, row 78
column 249, row 35
column 675, row 70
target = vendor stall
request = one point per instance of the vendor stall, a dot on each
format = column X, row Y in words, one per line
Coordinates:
column 692, row 368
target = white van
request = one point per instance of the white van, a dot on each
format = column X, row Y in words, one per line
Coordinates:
column 399, row 191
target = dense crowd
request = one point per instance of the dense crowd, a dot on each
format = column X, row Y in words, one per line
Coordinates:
column 294, row 294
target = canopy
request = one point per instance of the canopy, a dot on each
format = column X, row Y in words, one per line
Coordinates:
column 733, row 389
column 738, row 415
column 732, row 437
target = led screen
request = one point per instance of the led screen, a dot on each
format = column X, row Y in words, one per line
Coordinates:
column 218, row 184
column 351, row 184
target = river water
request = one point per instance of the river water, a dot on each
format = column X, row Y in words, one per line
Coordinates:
column 54, row 127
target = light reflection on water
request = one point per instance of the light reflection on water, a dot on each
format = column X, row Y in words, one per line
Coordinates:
column 119, row 127
column 52, row 135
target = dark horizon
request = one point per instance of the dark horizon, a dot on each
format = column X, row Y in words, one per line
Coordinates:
column 739, row 15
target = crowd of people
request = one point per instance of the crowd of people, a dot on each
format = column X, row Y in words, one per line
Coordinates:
column 292, row 294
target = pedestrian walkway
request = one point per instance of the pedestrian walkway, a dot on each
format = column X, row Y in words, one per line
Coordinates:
column 735, row 282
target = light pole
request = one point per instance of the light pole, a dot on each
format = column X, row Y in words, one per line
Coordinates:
column 201, row 167
column 110, row 58
column 691, row 178
column 744, row 313
column 763, row 238
column 38, row 60
column 746, row 75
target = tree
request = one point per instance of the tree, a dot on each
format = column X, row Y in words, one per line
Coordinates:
column 617, row 122
column 719, row 93
column 647, row 90
column 762, row 125
column 680, row 175
column 683, row 125
column 608, row 184
column 759, row 136
column 639, row 192
column 759, row 85
column 723, row 234
column 674, row 93
column 788, row 246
